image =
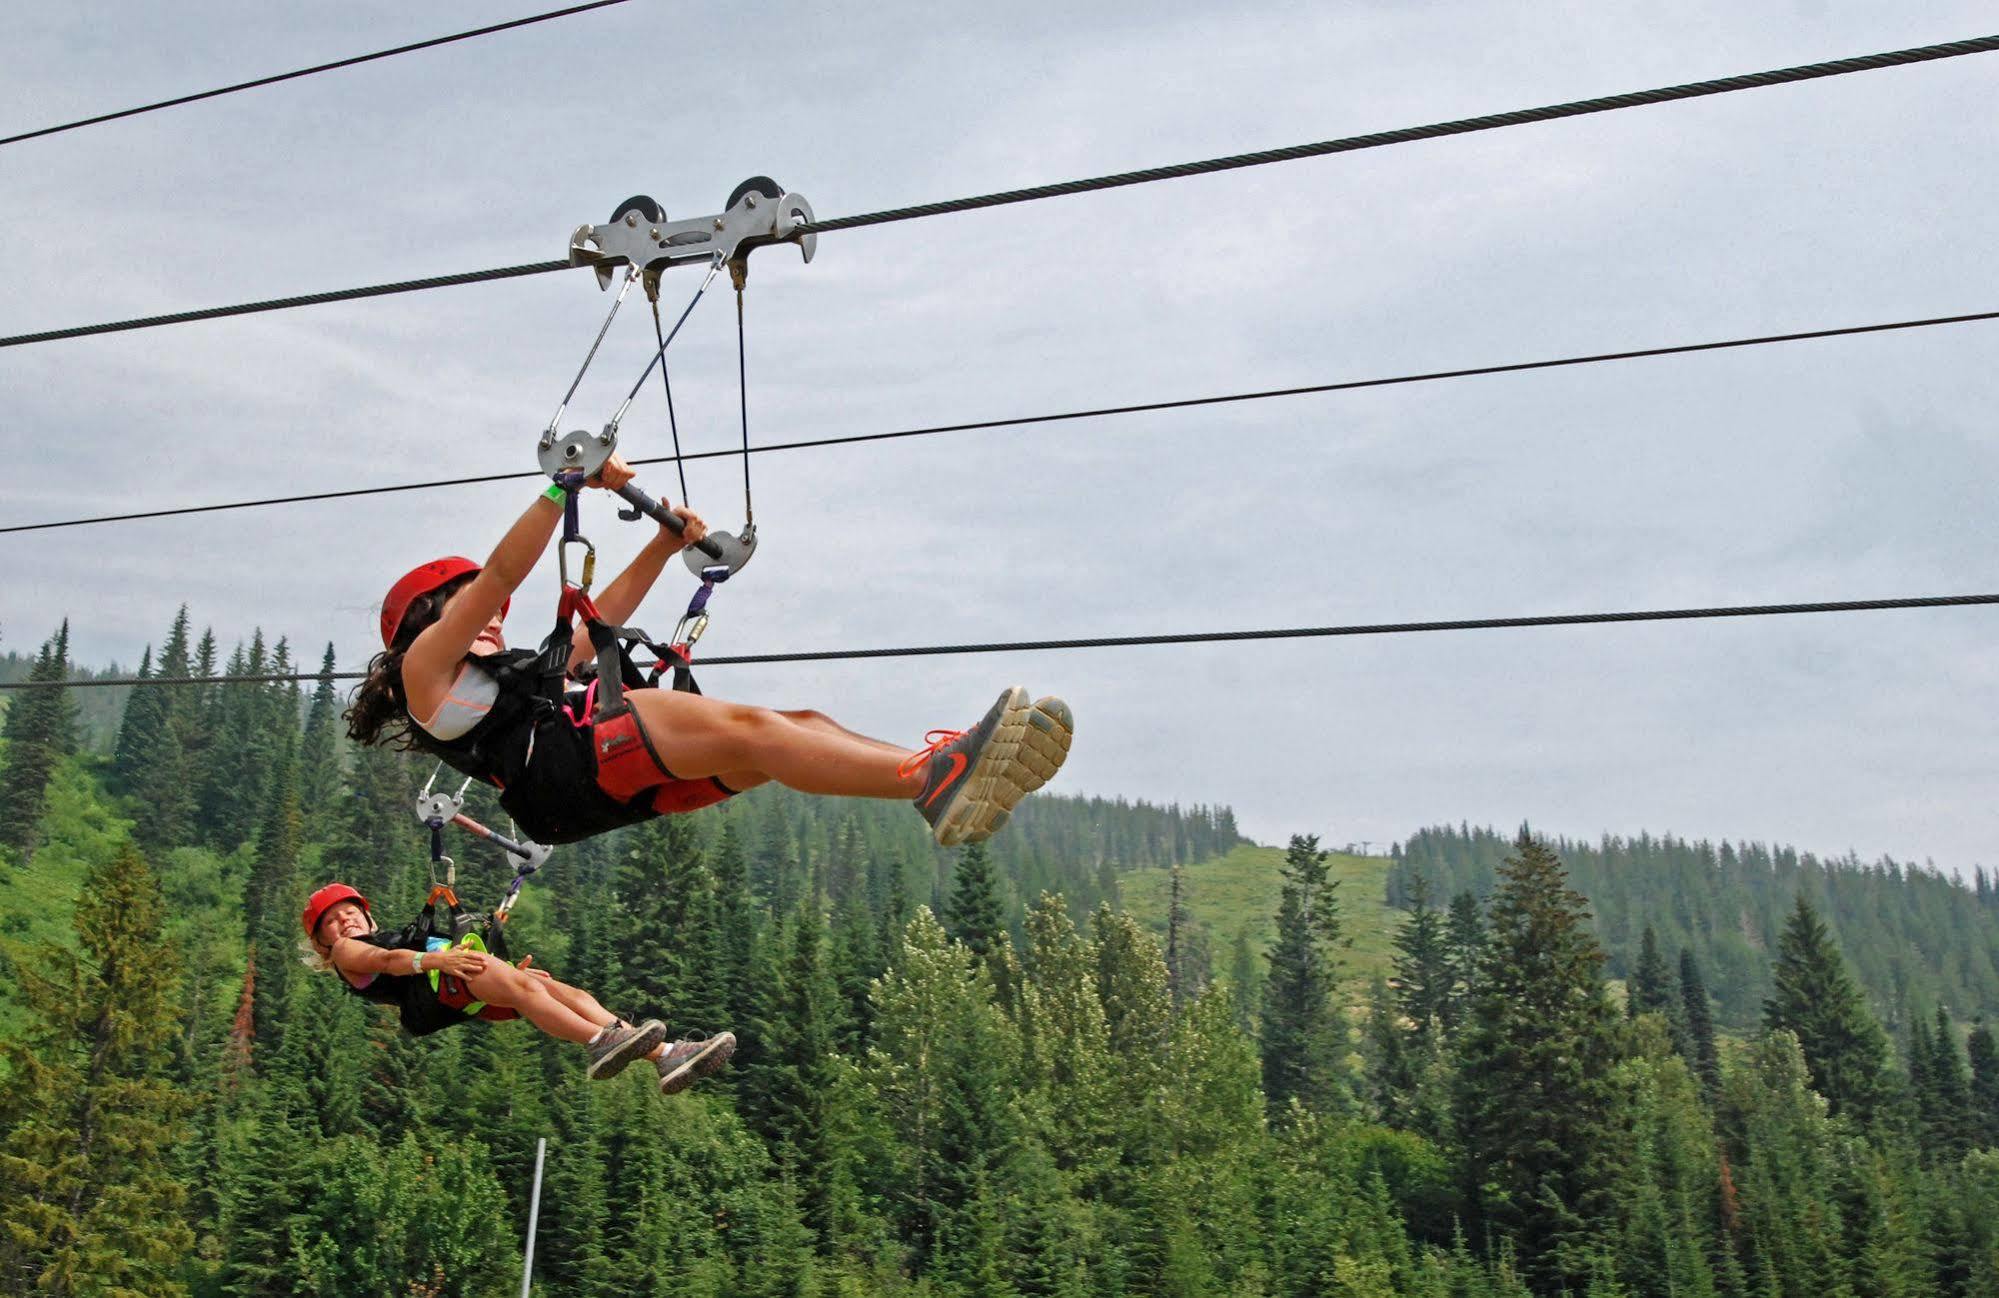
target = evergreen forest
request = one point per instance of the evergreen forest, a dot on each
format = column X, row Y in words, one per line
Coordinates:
column 1644, row 1067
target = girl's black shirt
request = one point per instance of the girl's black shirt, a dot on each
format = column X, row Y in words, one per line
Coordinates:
column 416, row 1002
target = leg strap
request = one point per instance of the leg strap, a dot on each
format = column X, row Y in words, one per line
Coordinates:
column 627, row 763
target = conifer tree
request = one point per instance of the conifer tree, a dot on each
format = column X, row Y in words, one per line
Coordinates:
column 1650, row 990
column 1301, row 1031
column 1984, row 1058
column 319, row 750
column 1533, row 1101
column 1464, row 940
column 1816, row 1000
column 87, row 1196
column 1422, row 966
column 1951, row 1124
column 165, row 757
column 139, row 728
column 787, row 1093
column 40, row 731
column 941, row 1076
column 974, row 918
column 1701, row 1053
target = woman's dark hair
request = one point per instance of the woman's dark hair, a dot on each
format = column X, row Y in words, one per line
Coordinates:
column 379, row 712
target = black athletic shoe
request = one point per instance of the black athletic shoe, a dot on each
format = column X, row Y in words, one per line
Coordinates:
column 622, row 1045
column 975, row 778
column 686, row 1062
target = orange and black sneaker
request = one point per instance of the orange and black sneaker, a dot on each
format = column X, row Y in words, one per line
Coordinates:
column 973, row 779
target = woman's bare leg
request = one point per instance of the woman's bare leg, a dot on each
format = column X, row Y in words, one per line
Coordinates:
column 698, row 737
column 743, row 781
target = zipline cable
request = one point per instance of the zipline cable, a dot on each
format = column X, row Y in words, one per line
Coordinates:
column 1018, row 421
column 1437, row 130
column 306, row 72
column 1191, row 637
column 1461, row 126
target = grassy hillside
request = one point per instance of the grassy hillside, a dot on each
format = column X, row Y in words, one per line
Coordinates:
column 1238, row 893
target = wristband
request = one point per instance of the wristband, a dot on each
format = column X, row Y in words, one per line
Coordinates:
column 416, row 962
column 556, row 493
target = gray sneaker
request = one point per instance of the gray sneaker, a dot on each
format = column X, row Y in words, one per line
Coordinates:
column 686, row 1062
column 622, row 1045
column 976, row 778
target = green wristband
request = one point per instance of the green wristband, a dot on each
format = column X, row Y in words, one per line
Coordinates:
column 556, row 493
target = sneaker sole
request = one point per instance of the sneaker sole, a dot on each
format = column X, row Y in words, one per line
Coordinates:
column 636, row 1047
column 705, row 1064
column 1027, row 748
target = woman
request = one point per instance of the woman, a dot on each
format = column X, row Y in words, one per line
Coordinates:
column 420, row 974
column 446, row 683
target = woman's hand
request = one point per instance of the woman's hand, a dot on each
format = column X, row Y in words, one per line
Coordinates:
column 615, row 473
column 692, row 528
column 460, row 963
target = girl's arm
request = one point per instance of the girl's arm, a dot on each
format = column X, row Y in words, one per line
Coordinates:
column 622, row 597
column 431, row 663
column 357, row 957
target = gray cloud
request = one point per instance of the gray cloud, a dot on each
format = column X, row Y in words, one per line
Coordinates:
column 1825, row 470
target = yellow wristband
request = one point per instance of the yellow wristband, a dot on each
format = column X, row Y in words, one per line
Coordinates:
column 416, row 962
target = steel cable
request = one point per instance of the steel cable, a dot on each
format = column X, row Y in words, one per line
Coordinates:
column 1018, row 421
column 1349, row 144
column 1191, row 637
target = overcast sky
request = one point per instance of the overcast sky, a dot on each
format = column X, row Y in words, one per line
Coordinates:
column 1847, row 469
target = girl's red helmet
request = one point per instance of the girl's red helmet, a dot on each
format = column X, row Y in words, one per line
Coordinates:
column 326, row 899
column 422, row 581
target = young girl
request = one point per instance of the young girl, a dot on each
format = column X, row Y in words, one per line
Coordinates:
column 446, row 683
column 417, row 975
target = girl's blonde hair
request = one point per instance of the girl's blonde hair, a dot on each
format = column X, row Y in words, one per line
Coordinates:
column 319, row 961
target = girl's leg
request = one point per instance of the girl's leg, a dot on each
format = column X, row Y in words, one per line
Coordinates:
column 697, row 736
column 744, row 781
column 502, row 984
column 578, row 1001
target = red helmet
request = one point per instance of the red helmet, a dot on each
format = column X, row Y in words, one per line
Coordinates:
column 422, row 581
column 326, row 899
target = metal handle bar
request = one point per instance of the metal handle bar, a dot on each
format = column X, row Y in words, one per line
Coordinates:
column 658, row 513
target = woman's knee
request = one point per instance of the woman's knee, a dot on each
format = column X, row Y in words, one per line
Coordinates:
column 808, row 717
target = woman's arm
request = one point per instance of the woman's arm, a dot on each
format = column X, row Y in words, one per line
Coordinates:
column 622, row 597
column 431, row 663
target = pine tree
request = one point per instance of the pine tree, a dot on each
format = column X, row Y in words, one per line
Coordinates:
column 88, row 1201
column 1301, row 1029
column 1533, row 1098
column 319, row 750
column 1698, row 1015
column 139, row 729
column 165, row 759
column 1952, row 1130
column 1465, row 942
column 974, row 918
column 1984, row 1087
column 1422, row 979
column 40, row 731
column 1650, row 990
column 1815, row 999
column 942, row 1076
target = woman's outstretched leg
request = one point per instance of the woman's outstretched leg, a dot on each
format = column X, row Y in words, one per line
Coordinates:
column 578, row 1001
column 698, row 737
